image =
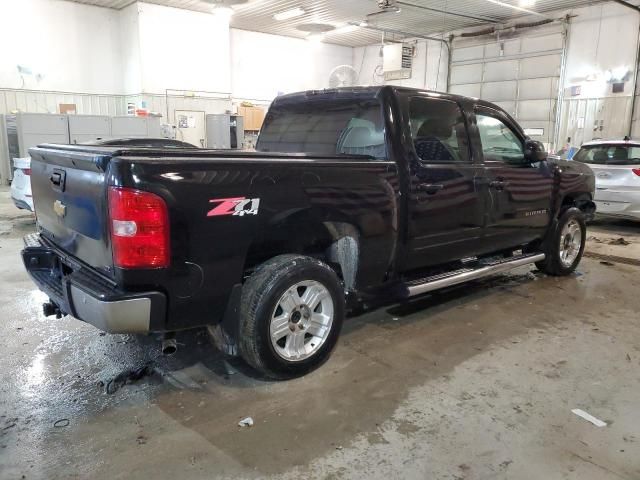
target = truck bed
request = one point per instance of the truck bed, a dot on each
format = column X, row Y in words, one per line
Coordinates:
column 210, row 247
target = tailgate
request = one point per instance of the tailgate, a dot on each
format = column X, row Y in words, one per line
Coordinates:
column 69, row 194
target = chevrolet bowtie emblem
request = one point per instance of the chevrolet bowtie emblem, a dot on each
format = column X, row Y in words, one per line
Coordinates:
column 59, row 208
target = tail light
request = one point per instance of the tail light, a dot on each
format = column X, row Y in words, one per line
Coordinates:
column 27, row 171
column 139, row 229
column 636, row 171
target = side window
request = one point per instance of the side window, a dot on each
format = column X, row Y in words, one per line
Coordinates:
column 438, row 130
column 499, row 142
column 634, row 155
column 597, row 155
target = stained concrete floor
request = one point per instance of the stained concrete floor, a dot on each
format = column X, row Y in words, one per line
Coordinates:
column 474, row 383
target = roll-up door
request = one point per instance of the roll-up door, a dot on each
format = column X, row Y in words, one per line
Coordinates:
column 520, row 73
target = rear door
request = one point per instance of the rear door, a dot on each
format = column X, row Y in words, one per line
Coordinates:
column 445, row 205
column 69, row 193
column 617, row 171
column 520, row 193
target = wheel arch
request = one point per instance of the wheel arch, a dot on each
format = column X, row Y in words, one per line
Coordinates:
column 321, row 233
column 581, row 200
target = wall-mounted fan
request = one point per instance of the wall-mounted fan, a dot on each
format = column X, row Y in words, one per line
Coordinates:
column 343, row 76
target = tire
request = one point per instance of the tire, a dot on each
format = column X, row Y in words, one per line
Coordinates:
column 281, row 336
column 562, row 249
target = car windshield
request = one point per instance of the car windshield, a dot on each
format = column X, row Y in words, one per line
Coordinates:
column 327, row 127
column 609, row 155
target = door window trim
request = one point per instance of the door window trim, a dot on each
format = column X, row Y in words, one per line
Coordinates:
column 501, row 116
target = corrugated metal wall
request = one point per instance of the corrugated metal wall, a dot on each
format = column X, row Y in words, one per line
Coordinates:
column 47, row 102
column 92, row 104
column 519, row 72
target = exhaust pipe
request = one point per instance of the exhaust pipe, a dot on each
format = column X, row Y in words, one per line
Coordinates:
column 49, row 309
column 169, row 346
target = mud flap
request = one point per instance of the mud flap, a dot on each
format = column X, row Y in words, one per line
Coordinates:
column 225, row 334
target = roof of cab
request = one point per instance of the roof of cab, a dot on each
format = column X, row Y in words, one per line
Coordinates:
column 372, row 92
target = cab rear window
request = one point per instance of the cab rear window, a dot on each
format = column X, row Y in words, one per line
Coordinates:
column 609, row 155
column 328, row 127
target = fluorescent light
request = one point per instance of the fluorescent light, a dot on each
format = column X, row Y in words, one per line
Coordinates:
column 527, row 3
column 223, row 12
column 520, row 9
column 345, row 29
column 364, row 24
column 287, row 14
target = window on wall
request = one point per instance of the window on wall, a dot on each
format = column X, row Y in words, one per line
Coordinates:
column 499, row 142
column 438, row 130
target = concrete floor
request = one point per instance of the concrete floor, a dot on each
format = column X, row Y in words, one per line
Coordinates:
column 474, row 383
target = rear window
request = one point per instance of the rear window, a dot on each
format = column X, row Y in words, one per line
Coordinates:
column 609, row 155
column 334, row 127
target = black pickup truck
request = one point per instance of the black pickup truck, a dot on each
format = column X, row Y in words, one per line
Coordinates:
column 353, row 194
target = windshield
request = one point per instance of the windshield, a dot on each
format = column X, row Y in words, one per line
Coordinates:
column 327, row 127
column 609, row 155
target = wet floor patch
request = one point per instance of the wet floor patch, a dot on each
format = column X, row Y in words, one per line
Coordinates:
column 128, row 377
column 613, row 259
column 458, row 377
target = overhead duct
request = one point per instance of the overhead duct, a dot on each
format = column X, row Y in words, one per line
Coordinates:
column 478, row 33
column 517, row 26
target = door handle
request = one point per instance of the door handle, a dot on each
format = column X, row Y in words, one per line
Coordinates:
column 498, row 185
column 430, row 188
column 58, row 179
column 55, row 178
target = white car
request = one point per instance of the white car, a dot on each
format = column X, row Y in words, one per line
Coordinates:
column 616, row 165
column 21, row 184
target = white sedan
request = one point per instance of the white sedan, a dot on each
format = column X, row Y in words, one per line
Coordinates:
column 21, row 184
column 616, row 165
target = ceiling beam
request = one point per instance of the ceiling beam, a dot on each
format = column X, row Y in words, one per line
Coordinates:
column 627, row 4
column 400, row 32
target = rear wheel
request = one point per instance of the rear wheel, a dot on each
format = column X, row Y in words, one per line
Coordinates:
column 565, row 248
column 291, row 314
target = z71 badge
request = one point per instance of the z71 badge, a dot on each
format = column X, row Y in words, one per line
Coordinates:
column 238, row 207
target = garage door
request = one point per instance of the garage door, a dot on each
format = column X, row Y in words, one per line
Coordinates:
column 520, row 73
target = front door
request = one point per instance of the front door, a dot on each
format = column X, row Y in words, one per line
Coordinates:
column 519, row 192
column 445, row 205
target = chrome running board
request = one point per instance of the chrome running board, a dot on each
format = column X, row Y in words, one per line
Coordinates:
column 435, row 282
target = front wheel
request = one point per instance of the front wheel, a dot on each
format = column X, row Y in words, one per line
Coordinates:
column 291, row 313
column 565, row 247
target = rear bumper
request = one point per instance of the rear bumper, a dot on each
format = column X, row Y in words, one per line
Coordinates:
column 21, row 204
column 84, row 294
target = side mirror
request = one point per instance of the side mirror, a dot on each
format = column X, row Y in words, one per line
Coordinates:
column 534, row 151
